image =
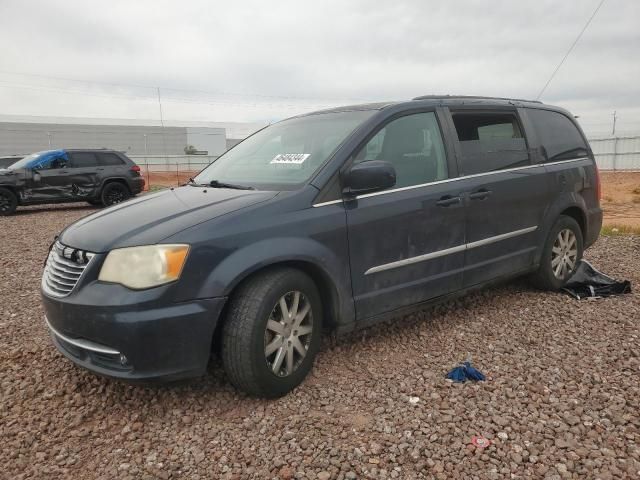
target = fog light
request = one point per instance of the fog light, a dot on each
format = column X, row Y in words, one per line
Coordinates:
column 123, row 360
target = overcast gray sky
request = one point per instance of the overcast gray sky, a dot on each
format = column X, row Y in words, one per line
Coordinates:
column 257, row 61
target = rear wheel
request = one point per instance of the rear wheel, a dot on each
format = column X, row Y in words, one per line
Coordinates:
column 95, row 202
column 8, row 202
column 562, row 251
column 114, row 193
column 272, row 332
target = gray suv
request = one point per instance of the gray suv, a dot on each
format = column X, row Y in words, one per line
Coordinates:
column 332, row 220
column 100, row 177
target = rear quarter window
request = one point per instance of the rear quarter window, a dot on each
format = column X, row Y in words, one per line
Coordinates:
column 109, row 159
column 83, row 159
column 490, row 141
column 558, row 135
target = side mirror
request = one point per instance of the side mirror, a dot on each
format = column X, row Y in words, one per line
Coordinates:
column 368, row 177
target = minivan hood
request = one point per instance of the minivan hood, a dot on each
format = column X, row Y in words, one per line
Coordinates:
column 151, row 218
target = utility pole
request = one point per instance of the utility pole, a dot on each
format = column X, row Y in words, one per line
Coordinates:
column 613, row 131
column 164, row 143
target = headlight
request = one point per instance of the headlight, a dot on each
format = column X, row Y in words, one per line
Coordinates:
column 144, row 267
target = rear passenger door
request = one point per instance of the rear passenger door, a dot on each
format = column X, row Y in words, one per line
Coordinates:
column 406, row 243
column 83, row 174
column 505, row 195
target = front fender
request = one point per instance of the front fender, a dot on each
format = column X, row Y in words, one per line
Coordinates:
column 247, row 260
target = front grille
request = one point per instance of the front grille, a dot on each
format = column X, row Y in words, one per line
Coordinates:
column 64, row 267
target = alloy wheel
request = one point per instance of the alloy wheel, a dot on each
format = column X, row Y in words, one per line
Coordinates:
column 564, row 254
column 288, row 333
column 115, row 196
column 5, row 203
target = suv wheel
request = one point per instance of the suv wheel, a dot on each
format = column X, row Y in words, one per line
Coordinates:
column 114, row 193
column 562, row 251
column 272, row 332
column 8, row 202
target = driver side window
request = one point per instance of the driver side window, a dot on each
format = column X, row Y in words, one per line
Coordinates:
column 413, row 144
column 53, row 163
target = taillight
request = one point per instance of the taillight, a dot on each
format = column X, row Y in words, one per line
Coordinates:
column 135, row 168
column 598, row 184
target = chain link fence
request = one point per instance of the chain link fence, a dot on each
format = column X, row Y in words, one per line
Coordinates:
column 162, row 171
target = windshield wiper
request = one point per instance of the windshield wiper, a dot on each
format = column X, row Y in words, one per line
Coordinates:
column 217, row 184
column 193, row 183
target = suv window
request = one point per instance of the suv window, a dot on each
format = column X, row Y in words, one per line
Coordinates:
column 57, row 161
column 490, row 141
column 413, row 144
column 109, row 159
column 83, row 159
column 560, row 138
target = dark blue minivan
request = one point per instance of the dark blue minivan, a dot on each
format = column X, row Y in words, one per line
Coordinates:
column 331, row 220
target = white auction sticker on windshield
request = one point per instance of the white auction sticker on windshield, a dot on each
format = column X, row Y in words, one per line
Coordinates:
column 290, row 158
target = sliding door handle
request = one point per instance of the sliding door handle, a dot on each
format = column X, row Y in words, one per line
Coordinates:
column 448, row 200
column 480, row 194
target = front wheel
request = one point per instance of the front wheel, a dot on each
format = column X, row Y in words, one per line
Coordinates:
column 8, row 202
column 560, row 256
column 272, row 332
column 114, row 193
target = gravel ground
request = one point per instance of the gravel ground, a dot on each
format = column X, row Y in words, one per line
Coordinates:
column 561, row 400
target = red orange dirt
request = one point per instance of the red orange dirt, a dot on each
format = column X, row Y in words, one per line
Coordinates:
column 621, row 198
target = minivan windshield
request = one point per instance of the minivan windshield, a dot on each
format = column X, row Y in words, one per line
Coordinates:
column 284, row 155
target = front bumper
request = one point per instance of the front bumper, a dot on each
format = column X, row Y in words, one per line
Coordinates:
column 164, row 343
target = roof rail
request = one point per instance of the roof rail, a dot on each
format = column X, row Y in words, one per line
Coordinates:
column 471, row 97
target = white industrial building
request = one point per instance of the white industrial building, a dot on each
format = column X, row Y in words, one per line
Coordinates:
column 21, row 135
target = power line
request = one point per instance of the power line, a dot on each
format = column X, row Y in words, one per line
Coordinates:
column 184, row 100
column 570, row 49
column 153, row 88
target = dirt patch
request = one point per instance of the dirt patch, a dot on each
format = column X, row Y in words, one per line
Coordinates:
column 621, row 198
column 167, row 178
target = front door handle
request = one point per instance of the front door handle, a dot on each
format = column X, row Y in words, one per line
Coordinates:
column 448, row 200
column 480, row 194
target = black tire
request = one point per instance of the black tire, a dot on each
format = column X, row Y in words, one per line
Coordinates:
column 244, row 332
column 8, row 202
column 114, row 192
column 545, row 278
column 95, row 202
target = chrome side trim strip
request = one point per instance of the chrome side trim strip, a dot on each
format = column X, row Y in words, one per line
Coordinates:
column 506, row 170
column 497, row 238
column 78, row 342
column 419, row 258
column 330, row 202
column 448, row 180
column 449, row 251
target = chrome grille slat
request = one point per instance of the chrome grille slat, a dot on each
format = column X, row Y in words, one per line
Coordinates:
column 58, row 268
column 62, row 280
column 61, row 273
column 68, row 263
column 55, row 288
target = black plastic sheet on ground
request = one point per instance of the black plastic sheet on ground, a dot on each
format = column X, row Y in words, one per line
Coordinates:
column 587, row 282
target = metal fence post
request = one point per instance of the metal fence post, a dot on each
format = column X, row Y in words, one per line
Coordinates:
column 615, row 152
